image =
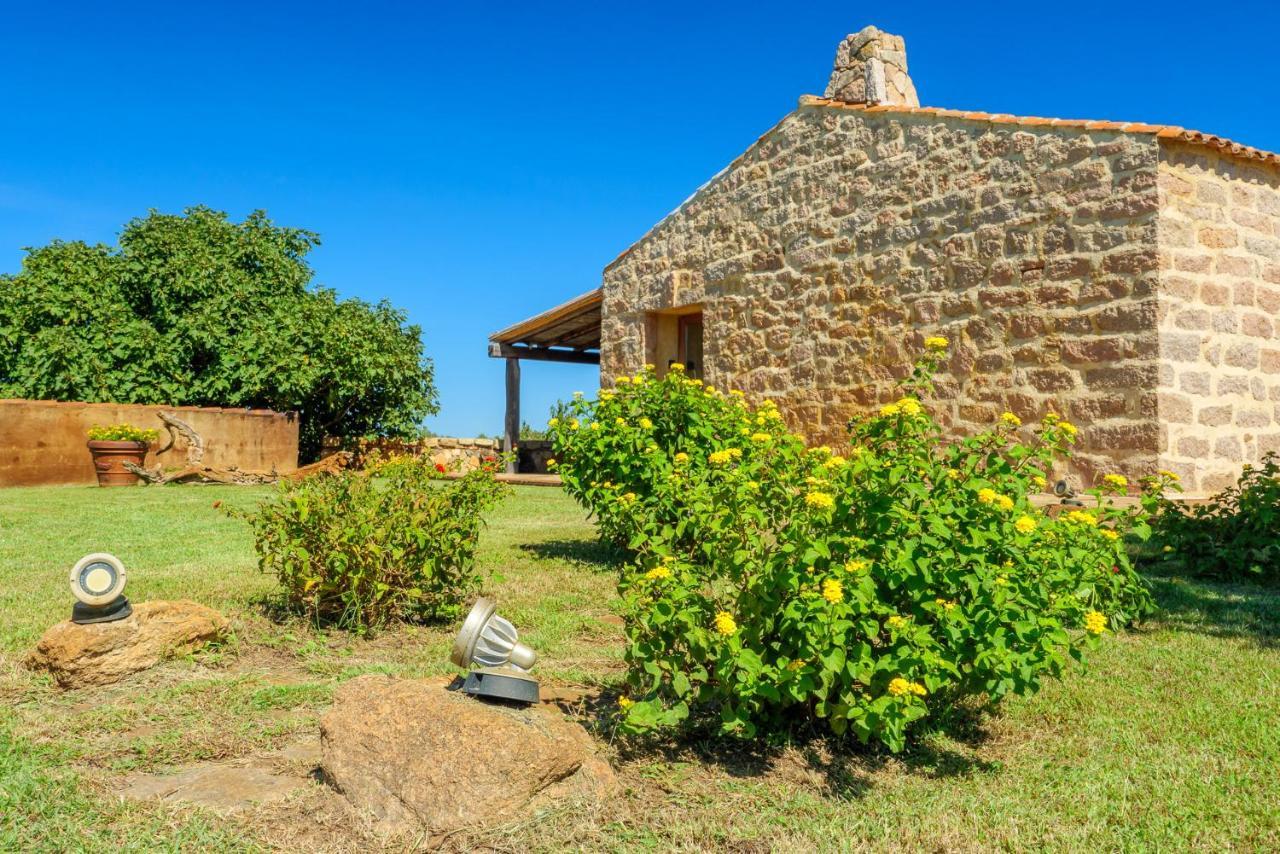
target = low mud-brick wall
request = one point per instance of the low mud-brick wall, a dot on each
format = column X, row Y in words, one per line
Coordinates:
column 43, row 441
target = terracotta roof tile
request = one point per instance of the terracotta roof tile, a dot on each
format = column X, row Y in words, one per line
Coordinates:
column 1192, row 137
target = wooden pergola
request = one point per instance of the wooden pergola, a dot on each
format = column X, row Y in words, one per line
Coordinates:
column 566, row 333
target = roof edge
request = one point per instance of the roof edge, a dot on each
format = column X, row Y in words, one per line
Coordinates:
column 1164, row 132
column 516, row 331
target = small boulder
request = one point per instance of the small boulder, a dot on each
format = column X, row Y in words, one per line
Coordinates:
column 101, row 653
column 417, row 756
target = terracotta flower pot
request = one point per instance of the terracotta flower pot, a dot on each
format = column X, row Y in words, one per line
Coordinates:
column 109, row 459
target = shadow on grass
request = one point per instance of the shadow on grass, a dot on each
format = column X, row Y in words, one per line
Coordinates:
column 844, row 765
column 596, row 555
column 1226, row 610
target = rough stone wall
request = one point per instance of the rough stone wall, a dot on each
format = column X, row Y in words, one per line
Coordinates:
column 826, row 253
column 43, row 441
column 455, row 454
column 1219, row 387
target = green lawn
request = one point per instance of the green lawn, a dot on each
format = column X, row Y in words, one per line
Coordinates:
column 1170, row 739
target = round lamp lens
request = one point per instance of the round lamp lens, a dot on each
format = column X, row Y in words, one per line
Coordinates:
column 97, row 578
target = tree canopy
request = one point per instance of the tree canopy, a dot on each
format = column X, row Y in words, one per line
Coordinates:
column 195, row 309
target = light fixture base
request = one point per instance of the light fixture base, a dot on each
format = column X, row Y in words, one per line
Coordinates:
column 117, row 609
column 502, row 683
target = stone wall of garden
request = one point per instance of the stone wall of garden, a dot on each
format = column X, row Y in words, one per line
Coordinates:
column 1219, row 310
column 43, row 441
column 455, row 454
column 826, row 253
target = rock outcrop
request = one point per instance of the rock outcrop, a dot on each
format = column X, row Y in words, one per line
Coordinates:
column 101, row 653
column 417, row 756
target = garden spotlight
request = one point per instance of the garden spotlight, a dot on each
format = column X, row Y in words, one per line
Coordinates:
column 1064, row 490
column 491, row 643
column 97, row 581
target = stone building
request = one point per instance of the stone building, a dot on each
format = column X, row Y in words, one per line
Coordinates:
column 1124, row 275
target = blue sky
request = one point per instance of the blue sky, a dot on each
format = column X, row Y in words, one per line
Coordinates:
column 478, row 163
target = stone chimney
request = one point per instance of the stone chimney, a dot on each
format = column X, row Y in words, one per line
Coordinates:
column 871, row 68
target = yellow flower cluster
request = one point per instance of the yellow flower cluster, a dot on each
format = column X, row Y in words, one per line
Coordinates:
column 1025, row 525
column 907, row 406
column 1080, row 517
column 1010, row 420
column 832, row 591
column 820, row 500
column 900, row 687
column 945, row 604
column 676, row 367
column 836, row 461
column 1039, row 481
column 857, row 565
column 553, row 422
column 719, row 458
column 627, row 498
column 1109, row 534
column 625, row 703
column 725, row 623
column 1168, row 474
column 1116, row 481
column 658, row 573
column 935, row 343
column 1095, row 623
column 896, row 622
column 760, row 437
column 986, row 495
column 646, row 424
column 797, row 664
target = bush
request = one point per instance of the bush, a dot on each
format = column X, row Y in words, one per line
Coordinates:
column 775, row 584
column 121, row 433
column 1233, row 536
column 363, row 548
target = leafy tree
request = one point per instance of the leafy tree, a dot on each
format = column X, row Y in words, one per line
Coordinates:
column 195, row 309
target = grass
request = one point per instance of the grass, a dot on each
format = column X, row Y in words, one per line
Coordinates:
column 1169, row 739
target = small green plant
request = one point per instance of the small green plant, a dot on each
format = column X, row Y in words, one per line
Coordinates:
column 122, row 433
column 360, row 549
column 777, row 586
column 1234, row 535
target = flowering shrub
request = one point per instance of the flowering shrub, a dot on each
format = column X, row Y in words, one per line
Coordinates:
column 775, row 583
column 1235, row 535
column 363, row 548
column 121, row 433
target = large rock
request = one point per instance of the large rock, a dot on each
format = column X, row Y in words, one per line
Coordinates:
column 417, row 756
column 102, row 653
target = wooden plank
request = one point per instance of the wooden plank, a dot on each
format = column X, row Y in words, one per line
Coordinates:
column 498, row 350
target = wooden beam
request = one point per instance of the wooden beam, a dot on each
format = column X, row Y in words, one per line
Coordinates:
column 511, row 437
column 498, row 350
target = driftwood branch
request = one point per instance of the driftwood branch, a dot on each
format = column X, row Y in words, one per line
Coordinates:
column 202, row 474
column 175, row 426
column 206, row 474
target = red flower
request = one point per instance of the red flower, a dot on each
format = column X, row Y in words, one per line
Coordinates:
column 1115, row 569
column 217, row 504
column 440, row 467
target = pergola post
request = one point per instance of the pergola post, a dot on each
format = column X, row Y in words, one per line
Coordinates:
column 511, row 432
